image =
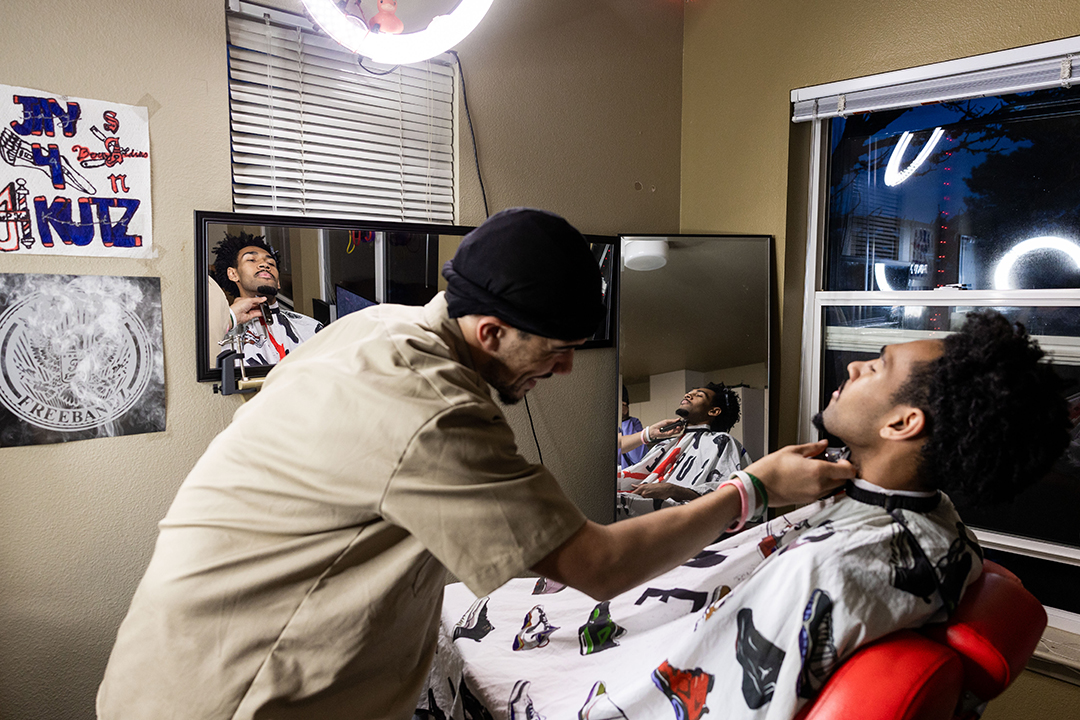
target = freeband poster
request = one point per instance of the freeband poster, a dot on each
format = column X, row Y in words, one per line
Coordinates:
column 80, row 358
column 75, row 176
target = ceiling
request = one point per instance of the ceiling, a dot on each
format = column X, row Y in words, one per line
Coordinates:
column 707, row 309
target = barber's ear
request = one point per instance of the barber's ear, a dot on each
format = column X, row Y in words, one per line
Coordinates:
column 904, row 423
column 714, row 412
column 232, row 274
column 490, row 332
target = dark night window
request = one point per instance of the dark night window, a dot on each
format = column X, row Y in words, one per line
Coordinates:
column 981, row 193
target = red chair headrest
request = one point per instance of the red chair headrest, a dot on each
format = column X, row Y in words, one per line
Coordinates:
column 901, row 676
column 995, row 630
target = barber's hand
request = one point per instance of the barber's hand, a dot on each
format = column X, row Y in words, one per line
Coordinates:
column 246, row 309
column 791, row 475
column 656, row 434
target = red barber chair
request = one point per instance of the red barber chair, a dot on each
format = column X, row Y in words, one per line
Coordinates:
column 946, row 671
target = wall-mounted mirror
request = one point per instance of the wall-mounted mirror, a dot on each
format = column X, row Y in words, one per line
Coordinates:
column 328, row 267
column 703, row 316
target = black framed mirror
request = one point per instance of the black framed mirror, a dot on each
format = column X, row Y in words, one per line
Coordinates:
column 703, row 316
column 328, row 267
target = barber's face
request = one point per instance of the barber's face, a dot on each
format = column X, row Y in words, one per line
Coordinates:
column 861, row 404
column 523, row 360
column 697, row 406
column 254, row 267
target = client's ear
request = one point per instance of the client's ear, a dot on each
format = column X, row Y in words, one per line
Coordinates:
column 905, row 422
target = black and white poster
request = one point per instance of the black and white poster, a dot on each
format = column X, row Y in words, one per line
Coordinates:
column 80, row 358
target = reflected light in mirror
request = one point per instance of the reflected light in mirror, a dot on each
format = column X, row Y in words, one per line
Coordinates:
column 1008, row 260
column 645, row 254
column 443, row 33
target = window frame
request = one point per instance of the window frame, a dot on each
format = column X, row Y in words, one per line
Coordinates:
column 818, row 105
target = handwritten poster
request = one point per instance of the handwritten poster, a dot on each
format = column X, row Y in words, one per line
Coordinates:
column 74, row 176
column 80, row 357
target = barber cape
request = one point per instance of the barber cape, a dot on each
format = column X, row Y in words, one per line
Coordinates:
column 699, row 459
column 750, row 628
column 269, row 344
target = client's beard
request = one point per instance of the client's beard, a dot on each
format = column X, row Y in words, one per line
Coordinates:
column 819, row 422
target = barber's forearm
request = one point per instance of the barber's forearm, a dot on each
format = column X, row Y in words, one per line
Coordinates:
column 605, row 560
column 629, row 442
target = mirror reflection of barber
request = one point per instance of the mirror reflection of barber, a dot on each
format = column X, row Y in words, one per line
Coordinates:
column 682, row 469
column 635, row 439
column 248, row 266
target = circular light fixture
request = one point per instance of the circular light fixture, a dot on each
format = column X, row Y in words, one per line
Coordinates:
column 1048, row 242
column 443, row 33
column 645, row 254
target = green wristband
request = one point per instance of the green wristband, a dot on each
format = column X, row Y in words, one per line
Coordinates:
column 764, row 495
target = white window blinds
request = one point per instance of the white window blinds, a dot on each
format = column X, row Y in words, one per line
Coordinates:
column 1034, row 67
column 313, row 133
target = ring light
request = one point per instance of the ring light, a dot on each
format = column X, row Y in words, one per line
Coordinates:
column 443, row 33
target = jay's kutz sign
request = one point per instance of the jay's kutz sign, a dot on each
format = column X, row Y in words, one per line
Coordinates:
column 75, row 176
column 80, row 357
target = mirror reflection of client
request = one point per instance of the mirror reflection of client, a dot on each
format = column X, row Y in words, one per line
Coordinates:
column 685, row 468
column 245, row 266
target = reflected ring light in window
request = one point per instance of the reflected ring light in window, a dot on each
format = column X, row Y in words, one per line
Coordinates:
column 893, row 175
column 911, row 312
column 1048, row 242
column 443, row 33
column 879, row 275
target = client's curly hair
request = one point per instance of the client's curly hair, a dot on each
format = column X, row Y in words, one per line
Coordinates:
column 728, row 402
column 225, row 256
column 997, row 417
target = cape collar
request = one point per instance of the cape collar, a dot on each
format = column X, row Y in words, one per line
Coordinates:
column 869, row 494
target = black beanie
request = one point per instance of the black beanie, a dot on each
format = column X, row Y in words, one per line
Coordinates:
column 531, row 269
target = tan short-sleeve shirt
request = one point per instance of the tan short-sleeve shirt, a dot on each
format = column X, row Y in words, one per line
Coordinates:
column 299, row 571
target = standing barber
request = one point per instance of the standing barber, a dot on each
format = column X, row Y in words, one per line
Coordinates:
column 300, row 574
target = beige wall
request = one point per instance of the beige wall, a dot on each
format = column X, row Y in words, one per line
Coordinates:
column 572, row 105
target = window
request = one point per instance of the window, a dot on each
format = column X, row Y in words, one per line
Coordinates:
column 940, row 190
column 314, row 133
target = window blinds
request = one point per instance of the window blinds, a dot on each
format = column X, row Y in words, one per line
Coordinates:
column 313, row 133
column 999, row 73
